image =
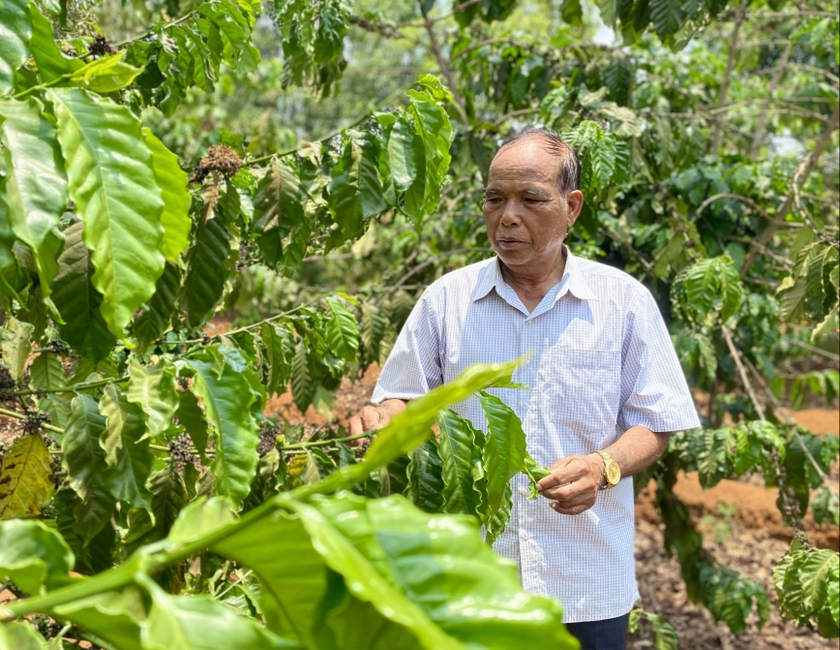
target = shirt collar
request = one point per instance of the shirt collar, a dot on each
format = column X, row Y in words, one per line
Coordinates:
column 572, row 281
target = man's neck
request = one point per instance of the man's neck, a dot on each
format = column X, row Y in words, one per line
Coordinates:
column 531, row 286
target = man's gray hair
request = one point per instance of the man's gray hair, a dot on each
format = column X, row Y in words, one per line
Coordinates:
column 568, row 165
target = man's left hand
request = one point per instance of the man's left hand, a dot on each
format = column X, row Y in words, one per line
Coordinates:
column 573, row 483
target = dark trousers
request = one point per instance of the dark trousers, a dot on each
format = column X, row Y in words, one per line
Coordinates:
column 609, row 634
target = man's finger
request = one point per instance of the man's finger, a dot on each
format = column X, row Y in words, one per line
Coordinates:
column 571, row 510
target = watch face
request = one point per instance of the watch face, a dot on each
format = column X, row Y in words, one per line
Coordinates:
column 613, row 474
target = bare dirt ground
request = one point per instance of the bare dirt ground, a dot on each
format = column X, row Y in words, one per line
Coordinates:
column 741, row 524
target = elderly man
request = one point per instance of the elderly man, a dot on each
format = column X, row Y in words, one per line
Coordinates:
column 607, row 388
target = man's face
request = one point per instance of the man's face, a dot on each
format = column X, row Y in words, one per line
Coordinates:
column 526, row 215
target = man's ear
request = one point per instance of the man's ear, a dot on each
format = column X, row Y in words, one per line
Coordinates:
column 574, row 200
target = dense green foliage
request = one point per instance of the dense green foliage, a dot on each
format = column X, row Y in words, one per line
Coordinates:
column 120, row 240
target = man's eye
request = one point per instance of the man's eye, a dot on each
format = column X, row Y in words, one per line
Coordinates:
column 492, row 201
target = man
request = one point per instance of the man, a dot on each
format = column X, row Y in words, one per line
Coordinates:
column 606, row 392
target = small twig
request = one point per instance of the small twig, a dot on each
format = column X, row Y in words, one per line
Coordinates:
column 246, row 328
column 445, row 70
column 730, row 65
column 738, row 197
column 815, row 350
column 521, row 111
column 427, row 263
column 23, row 416
column 788, row 503
column 322, row 443
column 75, row 388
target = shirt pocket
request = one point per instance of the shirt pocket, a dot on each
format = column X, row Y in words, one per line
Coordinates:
column 583, row 389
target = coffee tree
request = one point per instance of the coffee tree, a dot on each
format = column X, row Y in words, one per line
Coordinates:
column 149, row 500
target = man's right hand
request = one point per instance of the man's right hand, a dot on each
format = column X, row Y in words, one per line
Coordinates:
column 373, row 418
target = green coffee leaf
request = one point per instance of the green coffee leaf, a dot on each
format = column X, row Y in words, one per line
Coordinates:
column 169, row 497
column 19, row 636
column 123, row 224
column 207, row 261
column 457, row 442
column 342, row 331
column 172, row 181
column 228, row 400
column 36, row 186
column 126, row 446
column 107, row 74
column 33, row 555
column 504, row 449
column 113, row 616
column 278, row 212
column 47, row 373
column 16, row 345
column 193, row 420
column 154, row 319
column 201, row 623
column 152, row 387
column 78, row 301
column 425, row 484
column 14, row 46
column 51, row 61
column 84, row 459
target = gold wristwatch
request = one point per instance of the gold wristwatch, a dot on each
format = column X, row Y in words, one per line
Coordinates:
column 612, row 472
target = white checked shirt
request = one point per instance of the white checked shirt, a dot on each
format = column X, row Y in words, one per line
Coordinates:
column 601, row 362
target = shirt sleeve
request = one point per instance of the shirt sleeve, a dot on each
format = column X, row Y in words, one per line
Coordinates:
column 413, row 367
column 654, row 392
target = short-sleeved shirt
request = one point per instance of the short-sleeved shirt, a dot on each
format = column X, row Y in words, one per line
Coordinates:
column 601, row 361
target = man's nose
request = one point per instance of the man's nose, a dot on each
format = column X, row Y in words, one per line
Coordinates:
column 510, row 213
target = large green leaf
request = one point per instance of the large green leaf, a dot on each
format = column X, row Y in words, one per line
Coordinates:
column 207, row 267
column 435, row 131
column 363, row 579
column 278, row 211
column 33, row 555
column 342, row 331
column 113, row 616
column 16, row 346
column 15, row 31
column 169, row 497
column 78, row 301
column 26, row 483
column 294, row 581
column 84, row 459
column 425, row 483
column 152, row 387
column 355, row 189
column 201, row 623
column 51, row 61
column 47, row 373
column 172, row 181
column 126, row 449
column 451, row 573
column 192, row 418
column 458, row 441
column 401, row 156
column 154, row 318
column 20, row 636
column 228, row 398
column 106, row 74
column 504, row 449
column 113, row 185
column 36, row 186
column 279, row 348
